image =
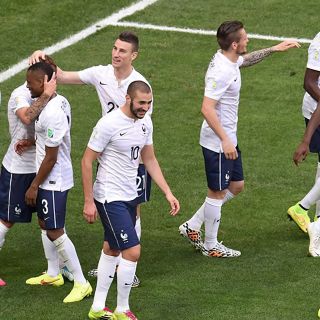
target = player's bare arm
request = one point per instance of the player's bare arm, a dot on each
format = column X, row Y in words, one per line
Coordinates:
column 209, row 112
column 45, row 168
column 28, row 114
column 303, row 148
column 63, row 77
column 152, row 165
column 89, row 207
column 311, row 83
column 23, row 145
column 257, row 56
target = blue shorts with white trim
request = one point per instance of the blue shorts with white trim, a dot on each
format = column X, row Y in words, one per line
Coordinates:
column 13, row 188
column 118, row 219
column 314, row 145
column 51, row 208
column 143, row 184
column 221, row 171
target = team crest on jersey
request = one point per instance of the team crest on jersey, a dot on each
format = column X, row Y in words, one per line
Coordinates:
column 144, row 129
column 50, row 133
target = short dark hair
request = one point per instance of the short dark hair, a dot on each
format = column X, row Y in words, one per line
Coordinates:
column 131, row 37
column 44, row 67
column 228, row 33
column 48, row 59
column 138, row 86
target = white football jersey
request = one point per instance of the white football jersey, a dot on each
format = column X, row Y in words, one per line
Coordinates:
column 309, row 104
column 26, row 163
column 223, row 84
column 119, row 139
column 53, row 130
column 111, row 92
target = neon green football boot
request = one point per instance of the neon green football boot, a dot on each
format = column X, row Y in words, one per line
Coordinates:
column 299, row 216
column 46, row 280
column 128, row 315
column 79, row 292
column 106, row 314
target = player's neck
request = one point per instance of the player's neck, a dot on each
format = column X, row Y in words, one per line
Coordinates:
column 122, row 73
column 231, row 55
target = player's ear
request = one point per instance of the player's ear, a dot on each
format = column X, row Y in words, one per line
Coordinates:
column 128, row 99
column 134, row 55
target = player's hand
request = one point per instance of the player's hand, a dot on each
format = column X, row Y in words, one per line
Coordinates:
column 36, row 56
column 50, row 87
column 31, row 196
column 90, row 212
column 285, row 45
column 301, row 153
column 174, row 203
column 229, row 149
column 23, row 145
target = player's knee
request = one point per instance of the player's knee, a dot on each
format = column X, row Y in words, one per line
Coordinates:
column 8, row 224
column 132, row 254
column 55, row 234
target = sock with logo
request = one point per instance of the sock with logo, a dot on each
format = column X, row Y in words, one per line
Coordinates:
column 212, row 216
column 67, row 253
column 125, row 275
column 106, row 270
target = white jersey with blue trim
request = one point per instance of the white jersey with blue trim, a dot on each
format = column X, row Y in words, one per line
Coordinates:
column 309, row 105
column 111, row 92
column 223, row 84
column 14, row 163
column 53, row 130
column 119, row 140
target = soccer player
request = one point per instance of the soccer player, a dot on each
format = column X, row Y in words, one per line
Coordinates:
column 49, row 188
column 218, row 137
column 17, row 172
column 299, row 212
column 117, row 142
column 111, row 83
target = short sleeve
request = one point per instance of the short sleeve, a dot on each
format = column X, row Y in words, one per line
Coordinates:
column 20, row 100
column 100, row 136
column 216, row 84
column 150, row 132
column 55, row 128
column 314, row 54
column 89, row 75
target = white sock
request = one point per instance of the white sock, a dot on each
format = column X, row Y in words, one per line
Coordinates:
column 317, row 225
column 228, row 196
column 318, row 201
column 106, row 271
column 3, row 231
column 51, row 254
column 67, row 253
column 312, row 196
column 125, row 275
column 212, row 216
column 197, row 219
column 138, row 227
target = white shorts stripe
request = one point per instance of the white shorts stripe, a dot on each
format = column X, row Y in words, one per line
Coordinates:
column 114, row 234
column 54, row 211
column 9, row 199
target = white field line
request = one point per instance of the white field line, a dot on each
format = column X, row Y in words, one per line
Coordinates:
column 202, row 32
column 113, row 20
column 110, row 20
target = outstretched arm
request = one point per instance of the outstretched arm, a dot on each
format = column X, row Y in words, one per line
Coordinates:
column 152, row 166
column 257, row 56
column 63, row 77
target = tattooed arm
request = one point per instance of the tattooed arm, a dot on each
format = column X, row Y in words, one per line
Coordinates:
column 29, row 114
column 257, row 56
